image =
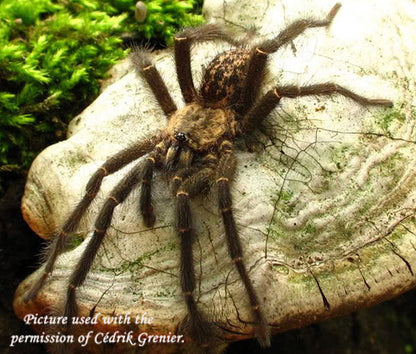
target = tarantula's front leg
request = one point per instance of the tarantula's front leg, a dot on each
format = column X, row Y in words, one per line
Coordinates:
column 112, row 165
column 117, row 196
column 255, row 72
column 272, row 98
column 225, row 173
column 195, row 324
column 183, row 42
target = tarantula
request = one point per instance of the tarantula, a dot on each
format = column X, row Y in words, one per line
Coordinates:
column 195, row 151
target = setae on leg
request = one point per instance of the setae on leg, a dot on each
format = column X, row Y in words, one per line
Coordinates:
column 272, row 98
column 183, row 42
column 146, row 206
column 117, row 196
column 146, row 69
column 225, row 173
column 257, row 64
column 195, row 324
column 112, row 165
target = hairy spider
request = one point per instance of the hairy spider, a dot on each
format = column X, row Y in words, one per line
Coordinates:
column 195, row 150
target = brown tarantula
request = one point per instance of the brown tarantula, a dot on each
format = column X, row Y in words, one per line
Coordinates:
column 195, row 150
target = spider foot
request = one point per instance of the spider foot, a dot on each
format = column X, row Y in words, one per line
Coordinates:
column 332, row 13
column 149, row 218
column 381, row 102
column 263, row 334
column 35, row 288
column 200, row 331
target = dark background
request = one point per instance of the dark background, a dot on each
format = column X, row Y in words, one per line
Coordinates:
column 386, row 328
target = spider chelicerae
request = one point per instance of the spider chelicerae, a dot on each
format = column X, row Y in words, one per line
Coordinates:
column 195, row 151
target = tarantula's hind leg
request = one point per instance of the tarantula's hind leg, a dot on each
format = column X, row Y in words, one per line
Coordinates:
column 295, row 29
column 272, row 98
column 183, row 42
column 146, row 69
column 257, row 64
column 327, row 89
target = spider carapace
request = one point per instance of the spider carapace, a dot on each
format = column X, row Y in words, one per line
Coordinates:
column 195, row 151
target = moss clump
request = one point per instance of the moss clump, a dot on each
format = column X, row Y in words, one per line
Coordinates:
column 163, row 18
column 52, row 56
column 385, row 120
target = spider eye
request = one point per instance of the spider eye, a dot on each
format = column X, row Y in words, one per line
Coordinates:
column 181, row 137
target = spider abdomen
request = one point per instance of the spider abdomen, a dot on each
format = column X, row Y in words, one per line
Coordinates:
column 224, row 78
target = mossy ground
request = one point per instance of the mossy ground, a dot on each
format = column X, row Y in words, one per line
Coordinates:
column 53, row 55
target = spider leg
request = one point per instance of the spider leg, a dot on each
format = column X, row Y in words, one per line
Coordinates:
column 225, row 173
column 179, row 176
column 146, row 69
column 184, row 169
column 117, row 196
column 257, row 64
column 146, row 207
column 272, row 98
column 112, row 165
column 295, row 29
column 195, row 324
column 183, row 42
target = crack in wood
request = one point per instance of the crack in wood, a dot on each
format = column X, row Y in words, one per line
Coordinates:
column 324, row 299
column 357, row 263
column 394, row 250
column 362, row 276
column 409, row 267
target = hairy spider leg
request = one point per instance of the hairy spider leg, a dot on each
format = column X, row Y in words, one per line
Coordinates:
column 194, row 324
column 146, row 207
column 183, row 42
column 225, row 174
column 117, row 196
column 272, row 98
column 112, row 165
column 329, row 88
column 146, row 69
column 257, row 63
column 180, row 175
column 184, row 169
column 259, row 112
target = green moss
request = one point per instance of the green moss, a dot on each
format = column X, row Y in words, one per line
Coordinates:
column 274, row 232
column 134, row 266
column 343, row 229
column 281, row 269
column 385, row 120
column 283, row 199
column 75, row 241
column 305, row 280
column 341, row 155
column 53, row 54
column 309, row 229
column 76, row 160
column 165, row 17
